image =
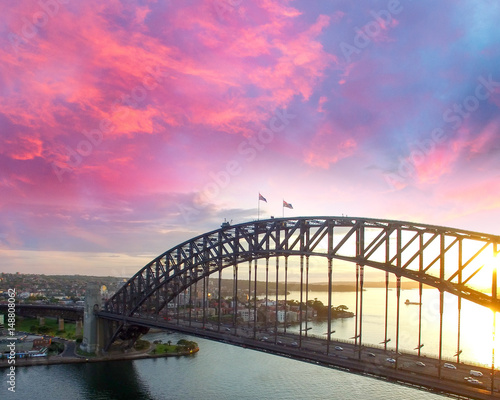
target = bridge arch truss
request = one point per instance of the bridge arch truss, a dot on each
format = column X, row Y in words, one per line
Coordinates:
column 447, row 259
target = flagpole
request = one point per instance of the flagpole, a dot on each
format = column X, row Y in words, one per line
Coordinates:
column 283, row 207
column 258, row 207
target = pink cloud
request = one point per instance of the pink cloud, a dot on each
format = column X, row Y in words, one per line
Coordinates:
column 329, row 146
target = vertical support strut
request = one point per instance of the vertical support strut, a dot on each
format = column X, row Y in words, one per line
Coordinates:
column 267, row 294
column 356, row 322
column 286, row 293
column 360, row 255
column 441, row 301
column 420, row 286
column 386, row 307
column 190, row 303
column 249, row 290
column 330, row 254
column 398, row 291
column 300, row 305
column 235, row 296
column 196, row 298
column 276, row 307
column 494, row 295
column 219, row 306
column 460, row 266
column 204, row 301
column 398, row 296
column 494, row 273
column 255, row 301
column 387, row 258
column 307, row 292
column 361, row 276
column 329, row 323
column 493, row 351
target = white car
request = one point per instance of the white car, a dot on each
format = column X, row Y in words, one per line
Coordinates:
column 338, row 348
column 391, row 360
column 475, row 373
column 420, row 364
column 449, row 366
column 371, row 355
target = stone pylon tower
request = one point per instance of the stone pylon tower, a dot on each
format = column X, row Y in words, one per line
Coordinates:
column 92, row 301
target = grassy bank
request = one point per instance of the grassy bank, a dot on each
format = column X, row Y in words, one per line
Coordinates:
column 51, row 327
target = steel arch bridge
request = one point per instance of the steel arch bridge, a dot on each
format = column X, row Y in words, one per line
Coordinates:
column 444, row 258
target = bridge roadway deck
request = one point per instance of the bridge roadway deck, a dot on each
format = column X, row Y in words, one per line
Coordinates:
column 349, row 359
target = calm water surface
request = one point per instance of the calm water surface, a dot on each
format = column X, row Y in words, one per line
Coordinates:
column 476, row 328
column 218, row 371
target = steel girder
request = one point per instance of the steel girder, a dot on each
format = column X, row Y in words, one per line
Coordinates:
column 441, row 257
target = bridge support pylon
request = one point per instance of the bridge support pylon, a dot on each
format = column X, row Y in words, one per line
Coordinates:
column 90, row 321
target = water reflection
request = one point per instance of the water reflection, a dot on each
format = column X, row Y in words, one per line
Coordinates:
column 476, row 327
column 107, row 380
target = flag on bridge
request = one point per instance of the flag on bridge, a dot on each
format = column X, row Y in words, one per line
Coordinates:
column 287, row 205
column 261, row 198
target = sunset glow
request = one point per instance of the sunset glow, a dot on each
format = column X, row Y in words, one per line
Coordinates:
column 129, row 127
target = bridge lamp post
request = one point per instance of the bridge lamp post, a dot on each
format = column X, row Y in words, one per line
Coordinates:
column 418, row 348
column 328, row 340
column 384, row 342
column 356, row 343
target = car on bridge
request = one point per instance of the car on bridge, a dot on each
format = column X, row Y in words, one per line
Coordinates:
column 449, row 366
column 420, row 364
column 338, row 348
column 391, row 360
column 473, row 381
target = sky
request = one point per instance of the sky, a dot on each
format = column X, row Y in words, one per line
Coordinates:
column 127, row 127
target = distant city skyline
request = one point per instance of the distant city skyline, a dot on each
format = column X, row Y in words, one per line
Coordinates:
column 130, row 127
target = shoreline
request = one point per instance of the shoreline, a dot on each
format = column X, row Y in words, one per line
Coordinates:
column 76, row 359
